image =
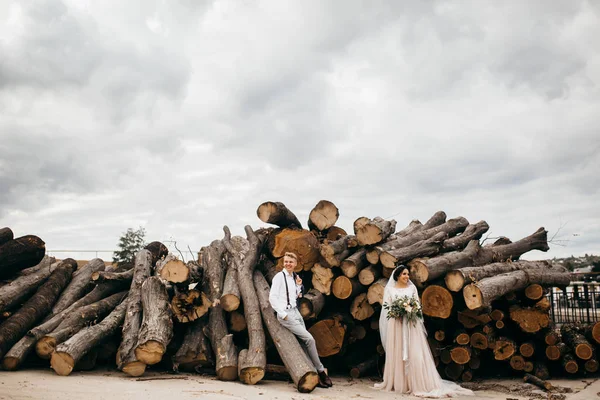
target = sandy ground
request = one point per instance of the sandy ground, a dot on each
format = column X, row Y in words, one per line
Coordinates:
column 112, row 385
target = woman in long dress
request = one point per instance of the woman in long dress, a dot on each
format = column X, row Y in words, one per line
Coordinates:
column 409, row 365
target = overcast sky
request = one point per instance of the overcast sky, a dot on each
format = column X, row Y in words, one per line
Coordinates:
column 183, row 116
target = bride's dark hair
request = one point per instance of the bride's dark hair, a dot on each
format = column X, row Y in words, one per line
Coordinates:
column 399, row 269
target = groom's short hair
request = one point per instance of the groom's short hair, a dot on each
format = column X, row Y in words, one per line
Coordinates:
column 291, row 255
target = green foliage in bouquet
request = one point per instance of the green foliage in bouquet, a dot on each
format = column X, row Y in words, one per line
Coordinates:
column 404, row 307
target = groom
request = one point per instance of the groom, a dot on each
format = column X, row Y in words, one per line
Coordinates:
column 285, row 289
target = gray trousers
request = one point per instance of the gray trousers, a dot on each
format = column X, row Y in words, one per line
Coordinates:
column 295, row 324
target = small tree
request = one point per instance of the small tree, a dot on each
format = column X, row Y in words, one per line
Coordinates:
column 129, row 243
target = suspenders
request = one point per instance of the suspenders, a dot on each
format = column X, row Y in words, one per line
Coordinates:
column 287, row 291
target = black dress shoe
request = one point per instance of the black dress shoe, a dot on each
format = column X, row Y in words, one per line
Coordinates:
column 324, row 380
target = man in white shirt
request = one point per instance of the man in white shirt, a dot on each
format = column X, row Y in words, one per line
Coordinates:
column 285, row 289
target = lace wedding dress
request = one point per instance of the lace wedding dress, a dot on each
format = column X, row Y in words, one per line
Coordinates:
column 409, row 365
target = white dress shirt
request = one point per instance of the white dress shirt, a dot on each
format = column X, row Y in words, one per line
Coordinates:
column 277, row 295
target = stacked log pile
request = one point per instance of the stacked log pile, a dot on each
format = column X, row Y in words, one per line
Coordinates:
column 481, row 303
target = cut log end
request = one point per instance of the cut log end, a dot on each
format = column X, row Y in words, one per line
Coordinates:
column 229, row 373
column 150, row 352
column 135, row 368
column 230, row 302
column 45, row 346
column 62, row 363
column 252, row 375
column 308, row 382
column 10, row 363
column 175, row 271
column 324, row 215
column 473, row 297
column 455, row 281
column 534, row 291
column 437, row 302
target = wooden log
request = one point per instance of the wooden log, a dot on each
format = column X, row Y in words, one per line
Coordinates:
column 267, row 268
column 189, row 305
column 471, row 319
column 335, row 252
column 475, row 361
column 158, row 251
column 374, row 252
column 372, row 231
column 335, row 232
column 322, row 278
column 528, row 366
column 76, row 321
column 591, row 365
column 277, row 213
column 551, row 338
column 460, row 354
column 517, row 362
column 497, row 315
column 485, row 291
column 369, row 274
column 365, row 367
column 461, row 337
column 323, row 216
column 345, row 288
column 173, row 270
column 230, row 299
column 375, row 291
column 457, row 279
column 360, row 308
column 429, row 269
column 311, row 304
column 472, row 232
column 299, row 241
column 357, row 332
column 505, row 348
column 126, row 357
column 556, row 351
column 329, row 335
column 534, row 291
column 195, row 349
column 352, row 265
column 20, row 253
column 570, row 364
column 577, row 342
column 236, row 321
column 439, row 335
column 542, row 384
column 299, row 367
column 529, row 319
column 38, row 306
column 527, row 349
column 436, row 219
column 454, row 371
column 445, row 356
column 592, row 333
column 156, row 330
column 111, row 276
column 467, row 375
column 6, row 235
column 67, row 354
column 79, row 285
column 18, row 290
column 226, row 357
column 425, row 248
column 251, row 362
column 437, row 302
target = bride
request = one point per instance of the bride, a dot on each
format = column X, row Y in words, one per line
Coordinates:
column 409, row 365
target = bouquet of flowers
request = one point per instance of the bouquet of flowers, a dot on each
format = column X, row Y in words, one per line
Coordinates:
column 404, row 307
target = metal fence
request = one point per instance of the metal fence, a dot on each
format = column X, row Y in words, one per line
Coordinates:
column 578, row 303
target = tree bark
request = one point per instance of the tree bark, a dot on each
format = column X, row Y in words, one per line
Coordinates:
column 311, row 304
column 472, row 232
column 485, row 291
column 126, row 358
column 352, row 265
column 299, row 367
column 195, row 349
column 457, row 279
column 323, row 216
column 156, row 330
column 20, row 253
column 78, row 286
column 277, row 213
column 251, row 362
column 67, row 354
column 38, row 306
column 323, row 278
column 110, row 276
column 373, row 231
column 425, row 248
column 22, row 287
column 542, row 384
column 76, row 321
column 230, row 300
column 6, row 235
